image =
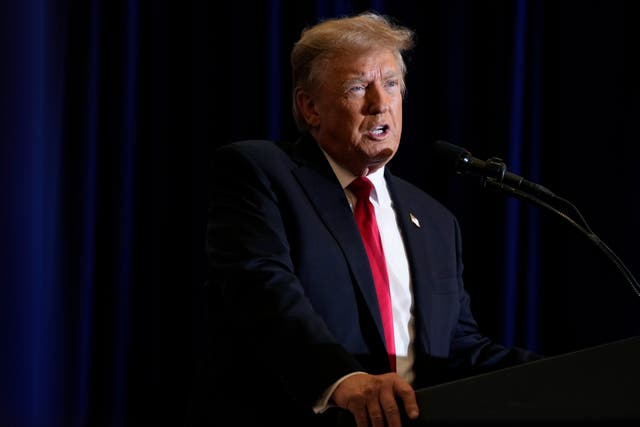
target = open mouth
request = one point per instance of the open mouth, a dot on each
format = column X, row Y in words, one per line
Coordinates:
column 379, row 131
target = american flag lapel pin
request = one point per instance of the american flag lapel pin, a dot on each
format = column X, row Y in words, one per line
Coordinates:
column 414, row 220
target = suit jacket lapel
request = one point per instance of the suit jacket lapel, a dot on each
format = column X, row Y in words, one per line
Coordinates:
column 324, row 191
column 419, row 256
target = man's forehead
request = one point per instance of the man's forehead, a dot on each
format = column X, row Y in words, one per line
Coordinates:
column 365, row 66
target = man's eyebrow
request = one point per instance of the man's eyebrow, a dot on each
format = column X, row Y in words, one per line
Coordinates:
column 359, row 78
column 392, row 74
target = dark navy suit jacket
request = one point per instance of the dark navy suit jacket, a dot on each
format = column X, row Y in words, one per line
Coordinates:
column 293, row 304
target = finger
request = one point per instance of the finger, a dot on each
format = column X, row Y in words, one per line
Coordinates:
column 392, row 415
column 375, row 413
column 360, row 415
column 408, row 397
column 390, row 407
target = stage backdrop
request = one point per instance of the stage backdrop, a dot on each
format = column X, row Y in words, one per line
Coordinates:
column 110, row 110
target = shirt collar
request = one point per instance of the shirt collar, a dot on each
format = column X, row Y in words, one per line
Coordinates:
column 379, row 194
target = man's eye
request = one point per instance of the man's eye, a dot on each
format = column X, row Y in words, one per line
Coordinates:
column 356, row 89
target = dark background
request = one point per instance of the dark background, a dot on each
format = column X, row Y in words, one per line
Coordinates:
column 110, row 110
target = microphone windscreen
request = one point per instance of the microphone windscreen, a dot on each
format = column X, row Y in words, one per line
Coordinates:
column 450, row 154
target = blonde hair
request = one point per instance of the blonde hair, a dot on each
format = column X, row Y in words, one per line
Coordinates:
column 358, row 33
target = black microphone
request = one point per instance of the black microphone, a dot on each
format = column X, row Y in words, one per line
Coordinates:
column 493, row 169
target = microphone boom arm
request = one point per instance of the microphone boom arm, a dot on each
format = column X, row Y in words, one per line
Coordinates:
column 495, row 175
column 495, row 184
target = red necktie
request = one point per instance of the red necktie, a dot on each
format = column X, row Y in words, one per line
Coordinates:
column 366, row 219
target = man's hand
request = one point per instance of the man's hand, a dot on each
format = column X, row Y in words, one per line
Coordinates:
column 372, row 399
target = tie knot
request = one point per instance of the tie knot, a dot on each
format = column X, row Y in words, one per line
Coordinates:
column 361, row 187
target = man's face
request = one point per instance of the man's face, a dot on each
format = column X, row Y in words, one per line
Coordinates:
column 356, row 112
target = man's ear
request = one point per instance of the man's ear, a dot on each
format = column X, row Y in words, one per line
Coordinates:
column 306, row 106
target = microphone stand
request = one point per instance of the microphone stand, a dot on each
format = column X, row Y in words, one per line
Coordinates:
column 497, row 185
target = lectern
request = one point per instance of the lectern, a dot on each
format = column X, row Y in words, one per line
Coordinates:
column 599, row 385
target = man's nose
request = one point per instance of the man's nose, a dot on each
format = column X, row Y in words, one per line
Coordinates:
column 379, row 100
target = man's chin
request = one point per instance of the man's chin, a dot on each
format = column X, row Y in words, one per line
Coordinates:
column 383, row 156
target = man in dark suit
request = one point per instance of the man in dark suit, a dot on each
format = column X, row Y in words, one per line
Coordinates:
column 297, row 323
